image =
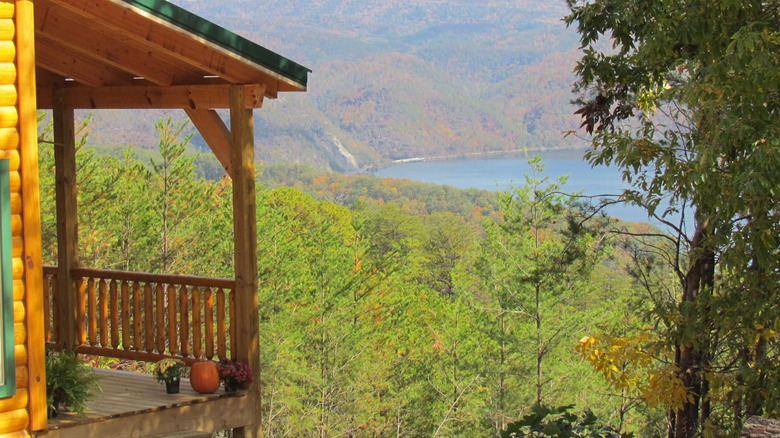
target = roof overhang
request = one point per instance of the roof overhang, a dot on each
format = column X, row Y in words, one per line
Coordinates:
column 149, row 54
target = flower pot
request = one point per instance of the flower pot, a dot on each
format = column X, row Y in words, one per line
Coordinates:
column 231, row 386
column 204, row 377
column 172, row 386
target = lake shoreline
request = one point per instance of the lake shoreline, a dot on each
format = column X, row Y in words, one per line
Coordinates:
column 562, row 153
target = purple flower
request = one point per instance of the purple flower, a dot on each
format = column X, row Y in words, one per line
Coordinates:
column 234, row 370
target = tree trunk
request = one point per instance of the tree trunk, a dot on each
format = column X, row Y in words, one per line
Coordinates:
column 691, row 361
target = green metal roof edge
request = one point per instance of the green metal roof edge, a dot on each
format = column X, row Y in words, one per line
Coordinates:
column 224, row 38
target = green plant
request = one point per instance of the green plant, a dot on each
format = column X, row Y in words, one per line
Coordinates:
column 167, row 370
column 69, row 382
column 545, row 421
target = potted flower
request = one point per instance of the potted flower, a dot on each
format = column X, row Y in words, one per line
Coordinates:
column 169, row 371
column 234, row 373
column 70, row 382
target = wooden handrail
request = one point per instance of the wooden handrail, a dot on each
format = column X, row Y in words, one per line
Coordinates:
column 142, row 316
column 145, row 277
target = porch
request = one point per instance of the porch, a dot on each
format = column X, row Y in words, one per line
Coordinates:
column 134, row 404
column 132, row 55
column 146, row 317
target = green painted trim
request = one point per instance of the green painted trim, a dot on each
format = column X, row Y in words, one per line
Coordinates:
column 224, row 38
column 8, row 382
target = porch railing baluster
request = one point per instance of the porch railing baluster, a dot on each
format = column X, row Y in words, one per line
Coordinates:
column 146, row 316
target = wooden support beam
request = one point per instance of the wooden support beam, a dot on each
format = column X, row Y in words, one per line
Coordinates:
column 247, row 321
column 31, row 218
column 67, row 219
column 216, row 134
column 153, row 97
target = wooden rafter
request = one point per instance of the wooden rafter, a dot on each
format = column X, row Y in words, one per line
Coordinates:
column 64, row 29
column 163, row 41
column 69, row 64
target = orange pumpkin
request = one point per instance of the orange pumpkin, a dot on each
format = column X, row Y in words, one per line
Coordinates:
column 204, row 377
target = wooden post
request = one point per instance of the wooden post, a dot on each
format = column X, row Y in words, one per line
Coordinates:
column 31, row 216
column 247, row 321
column 67, row 219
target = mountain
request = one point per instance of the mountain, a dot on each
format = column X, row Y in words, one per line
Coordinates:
column 400, row 79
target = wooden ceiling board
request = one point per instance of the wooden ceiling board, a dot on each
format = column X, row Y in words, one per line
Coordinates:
column 163, row 39
column 89, row 39
column 63, row 61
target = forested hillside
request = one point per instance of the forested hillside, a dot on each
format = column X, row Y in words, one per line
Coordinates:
column 394, row 80
column 417, row 310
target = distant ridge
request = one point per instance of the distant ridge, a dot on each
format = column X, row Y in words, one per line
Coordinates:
column 397, row 81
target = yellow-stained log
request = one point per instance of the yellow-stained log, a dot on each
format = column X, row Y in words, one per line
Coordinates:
column 15, row 179
column 17, row 246
column 8, row 77
column 13, row 158
column 7, row 51
column 7, row 9
column 22, row 376
column 19, row 312
column 9, row 136
column 9, row 117
column 16, row 224
column 8, row 94
column 18, row 401
column 16, row 203
column 20, row 354
column 14, row 421
column 18, row 289
column 17, row 268
column 20, row 333
column 7, row 29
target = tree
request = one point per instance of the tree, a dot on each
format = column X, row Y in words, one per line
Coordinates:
column 175, row 193
column 535, row 261
column 687, row 103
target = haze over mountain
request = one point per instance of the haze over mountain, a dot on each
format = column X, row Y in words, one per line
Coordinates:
column 399, row 79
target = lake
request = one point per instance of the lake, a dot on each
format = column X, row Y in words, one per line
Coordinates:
column 500, row 174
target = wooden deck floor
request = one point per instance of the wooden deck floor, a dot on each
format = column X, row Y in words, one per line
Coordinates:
column 126, row 394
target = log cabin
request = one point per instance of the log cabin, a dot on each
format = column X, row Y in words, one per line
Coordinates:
column 64, row 55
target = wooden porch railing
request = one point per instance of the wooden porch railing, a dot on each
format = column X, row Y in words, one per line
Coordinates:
column 146, row 317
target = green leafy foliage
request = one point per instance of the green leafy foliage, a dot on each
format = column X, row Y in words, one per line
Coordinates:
column 558, row 422
column 70, row 382
column 686, row 103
